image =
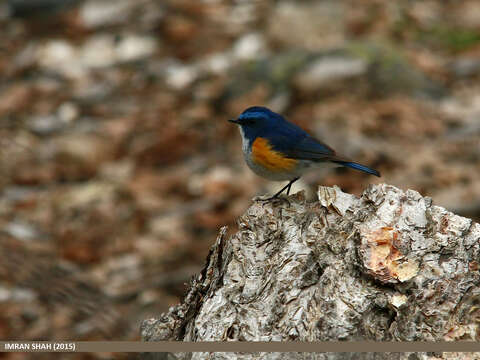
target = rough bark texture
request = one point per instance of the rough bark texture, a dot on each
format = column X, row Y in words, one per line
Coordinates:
column 386, row 266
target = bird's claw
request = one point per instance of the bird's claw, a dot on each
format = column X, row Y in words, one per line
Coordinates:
column 264, row 199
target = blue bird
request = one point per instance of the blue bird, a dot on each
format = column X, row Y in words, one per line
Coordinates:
column 279, row 150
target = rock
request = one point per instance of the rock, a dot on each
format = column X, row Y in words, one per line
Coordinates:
column 389, row 72
column 59, row 56
column 97, row 51
column 21, row 230
column 270, row 75
column 329, row 70
column 134, row 47
column 45, row 124
column 67, row 112
column 106, row 50
column 94, row 13
column 308, row 25
column 179, row 76
column 466, row 67
column 216, row 63
column 250, row 46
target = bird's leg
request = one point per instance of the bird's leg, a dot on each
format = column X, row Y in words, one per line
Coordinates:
column 288, row 186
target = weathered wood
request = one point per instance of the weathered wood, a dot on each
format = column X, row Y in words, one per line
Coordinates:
column 388, row 266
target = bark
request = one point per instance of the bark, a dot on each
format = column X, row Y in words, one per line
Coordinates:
column 388, row 266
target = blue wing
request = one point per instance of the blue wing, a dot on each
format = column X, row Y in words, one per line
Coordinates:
column 309, row 148
column 295, row 143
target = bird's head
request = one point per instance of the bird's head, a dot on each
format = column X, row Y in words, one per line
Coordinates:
column 255, row 120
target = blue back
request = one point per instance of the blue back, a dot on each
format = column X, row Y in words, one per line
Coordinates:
column 283, row 135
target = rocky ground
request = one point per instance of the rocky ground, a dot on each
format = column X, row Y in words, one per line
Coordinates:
column 118, row 165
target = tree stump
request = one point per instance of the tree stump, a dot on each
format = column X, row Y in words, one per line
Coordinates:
column 388, row 266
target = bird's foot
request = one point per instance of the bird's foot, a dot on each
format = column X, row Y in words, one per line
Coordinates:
column 262, row 198
column 265, row 199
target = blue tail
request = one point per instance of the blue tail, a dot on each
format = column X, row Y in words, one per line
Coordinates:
column 358, row 167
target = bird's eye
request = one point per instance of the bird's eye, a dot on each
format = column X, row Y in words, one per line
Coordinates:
column 249, row 121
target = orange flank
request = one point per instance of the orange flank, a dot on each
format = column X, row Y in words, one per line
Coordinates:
column 264, row 155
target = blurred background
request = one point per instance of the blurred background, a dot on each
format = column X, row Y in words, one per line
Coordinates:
column 118, row 166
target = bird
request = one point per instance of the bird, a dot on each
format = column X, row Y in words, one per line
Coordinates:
column 279, row 150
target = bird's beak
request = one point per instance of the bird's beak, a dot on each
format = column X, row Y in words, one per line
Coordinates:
column 234, row 121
